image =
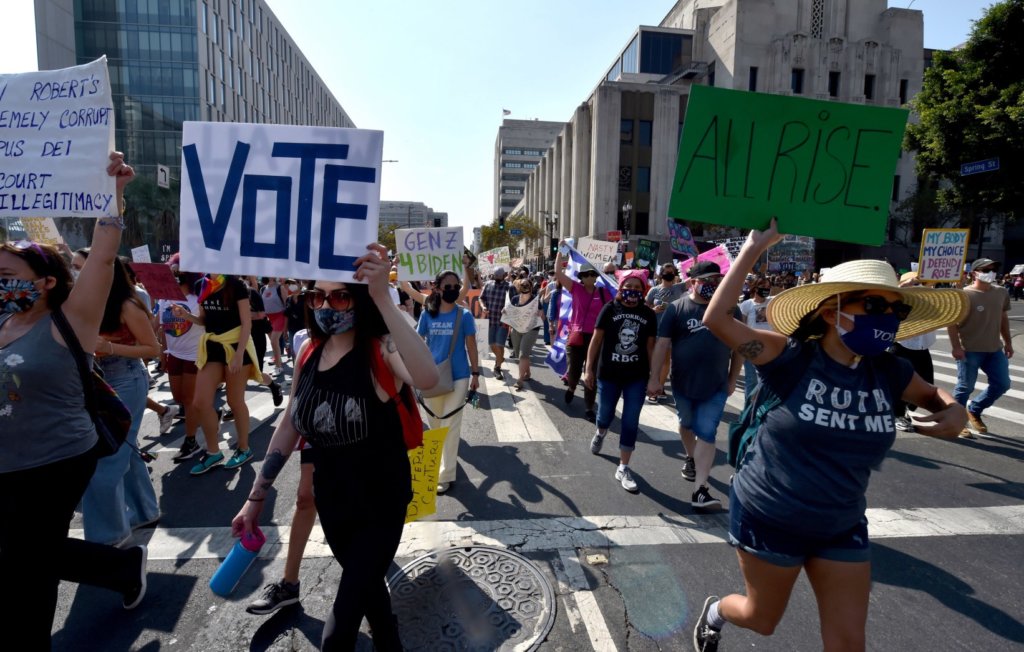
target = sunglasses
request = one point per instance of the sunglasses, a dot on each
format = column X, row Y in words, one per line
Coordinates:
column 586, row 274
column 336, row 299
column 876, row 305
column 456, row 286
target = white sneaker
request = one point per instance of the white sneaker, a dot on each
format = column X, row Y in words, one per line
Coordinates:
column 624, row 476
column 167, row 419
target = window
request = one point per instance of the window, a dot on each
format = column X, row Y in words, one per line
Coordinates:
column 626, row 130
column 796, row 81
column 711, row 74
column 869, row 87
column 643, row 179
column 903, row 91
column 216, row 30
column 752, row 79
column 833, row 83
column 530, row 166
column 511, row 164
column 817, row 18
column 532, row 152
column 896, row 188
column 511, row 151
column 512, row 191
column 203, row 15
column 211, row 89
column 646, row 127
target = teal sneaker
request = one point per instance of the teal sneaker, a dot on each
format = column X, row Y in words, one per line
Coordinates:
column 207, row 462
column 239, row 458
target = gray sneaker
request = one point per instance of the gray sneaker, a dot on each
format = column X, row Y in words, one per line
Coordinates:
column 689, row 470
column 597, row 442
column 625, row 478
column 706, row 639
column 275, row 596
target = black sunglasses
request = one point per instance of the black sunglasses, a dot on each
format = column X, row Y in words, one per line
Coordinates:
column 456, row 286
column 876, row 305
column 586, row 274
column 336, row 299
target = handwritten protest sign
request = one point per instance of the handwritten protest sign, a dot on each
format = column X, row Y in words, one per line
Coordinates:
column 158, row 280
column 824, row 168
column 141, row 254
column 943, row 253
column 598, row 252
column 522, row 318
column 423, row 253
column 275, row 200
column 732, row 245
column 42, row 229
column 58, row 132
column 680, row 239
column 425, row 462
column 718, row 255
column 492, row 258
column 794, row 254
column 647, row 254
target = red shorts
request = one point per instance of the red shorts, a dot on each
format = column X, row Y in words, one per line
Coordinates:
column 278, row 323
column 177, row 366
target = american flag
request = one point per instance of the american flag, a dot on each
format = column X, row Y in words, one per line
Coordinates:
column 557, row 355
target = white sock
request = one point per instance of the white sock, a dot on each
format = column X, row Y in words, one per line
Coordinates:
column 623, row 467
column 715, row 620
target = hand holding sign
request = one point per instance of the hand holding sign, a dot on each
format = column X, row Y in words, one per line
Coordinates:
column 373, row 269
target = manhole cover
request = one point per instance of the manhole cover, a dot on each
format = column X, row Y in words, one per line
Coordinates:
column 475, row 598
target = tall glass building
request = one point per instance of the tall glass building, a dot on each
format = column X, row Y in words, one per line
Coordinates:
column 176, row 60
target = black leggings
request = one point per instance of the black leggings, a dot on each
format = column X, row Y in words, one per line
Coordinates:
column 365, row 550
column 36, row 507
column 922, row 362
column 578, row 358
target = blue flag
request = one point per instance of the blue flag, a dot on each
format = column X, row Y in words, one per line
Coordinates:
column 557, row 359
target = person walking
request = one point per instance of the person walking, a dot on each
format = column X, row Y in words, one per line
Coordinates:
column 492, row 299
column 274, row 296
column 226, row 355
column 704, row 373
column 525, row 299
column 798, row 500
column 261, row 328
column 976, row 345
column 658, row 299
column 587, row 300
column 181, row 342
column 619, row 365
column 442, row 320
column 362, row 478
column 755, row 313
column 120, row 496
column 48, row 440
column 916, row 351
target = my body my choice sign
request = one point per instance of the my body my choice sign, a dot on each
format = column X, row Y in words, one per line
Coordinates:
column 423, row 253
column 273, row 200
column 824, row 168
column 943, row 254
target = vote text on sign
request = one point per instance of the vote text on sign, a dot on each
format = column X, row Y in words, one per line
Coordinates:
column 423, row 253
column 57, row 134
column 274, row 200
column 943, row 254
column 824, row 168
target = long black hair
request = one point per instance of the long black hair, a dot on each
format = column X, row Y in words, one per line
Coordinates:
column 433, row 303
column 121, row 290
column 369, row 324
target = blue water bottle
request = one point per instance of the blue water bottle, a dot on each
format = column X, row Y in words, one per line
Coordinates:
column 244, row 552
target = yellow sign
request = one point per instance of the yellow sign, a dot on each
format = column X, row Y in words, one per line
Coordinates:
column 425, row 463
column 42, row 229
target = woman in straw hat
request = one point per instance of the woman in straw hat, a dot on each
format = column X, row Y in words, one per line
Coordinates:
column 798, row 500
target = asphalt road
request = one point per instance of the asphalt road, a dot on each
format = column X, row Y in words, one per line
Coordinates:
column 629, row 572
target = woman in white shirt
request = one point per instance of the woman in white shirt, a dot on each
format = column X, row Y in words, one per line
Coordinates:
column 754, row 311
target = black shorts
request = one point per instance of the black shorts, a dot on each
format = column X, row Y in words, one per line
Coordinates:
column 215, row 353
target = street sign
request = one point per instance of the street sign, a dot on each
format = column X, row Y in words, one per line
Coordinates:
column 516, row 231
column 614, row 236
column 978, row 167
column 163, row 176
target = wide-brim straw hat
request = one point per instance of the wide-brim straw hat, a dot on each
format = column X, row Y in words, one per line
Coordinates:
column 930, row 308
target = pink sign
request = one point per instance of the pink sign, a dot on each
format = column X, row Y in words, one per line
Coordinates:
column 719, row 255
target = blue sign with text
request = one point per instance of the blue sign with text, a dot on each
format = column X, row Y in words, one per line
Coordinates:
column 516, row 232
column 978, row 167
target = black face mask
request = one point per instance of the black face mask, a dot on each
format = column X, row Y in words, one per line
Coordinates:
column 670, row 276
column 450, row 295
column 764, row 292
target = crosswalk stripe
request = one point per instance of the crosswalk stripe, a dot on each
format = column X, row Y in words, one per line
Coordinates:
column 979, row 386
column 540, row 427
column 949, row 356
column 948, row 365
column 518, row 416
column 261, row 411
column 574, row 532
column 658, row 422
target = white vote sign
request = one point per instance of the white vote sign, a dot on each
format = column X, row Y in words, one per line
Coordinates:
column 275, row 200
column 56, row 135
column 598, row 252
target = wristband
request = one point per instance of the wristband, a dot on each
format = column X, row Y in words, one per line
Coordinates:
column 117, row 221
column 474, row 373
column 255, row 500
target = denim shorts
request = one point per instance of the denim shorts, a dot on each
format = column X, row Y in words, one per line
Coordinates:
column 787, row 547
column 497, row 333
column 701, row 417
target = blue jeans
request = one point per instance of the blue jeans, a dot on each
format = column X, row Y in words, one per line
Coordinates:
column 120, row 493
column 996, row 367
column 750, row 380
column 701, row 417
column 632, row 393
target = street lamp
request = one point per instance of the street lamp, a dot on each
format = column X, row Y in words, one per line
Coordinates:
column 627, row 208
column 552, row 222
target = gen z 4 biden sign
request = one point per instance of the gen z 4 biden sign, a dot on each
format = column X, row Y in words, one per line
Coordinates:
column 824, row 168
column 273, row 200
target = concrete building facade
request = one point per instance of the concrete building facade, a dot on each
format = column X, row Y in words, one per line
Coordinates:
column 620, row 144
column 410, row 214
column 517, row 152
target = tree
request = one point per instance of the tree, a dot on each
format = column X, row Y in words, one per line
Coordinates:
column 491, row 236
column 386, row 236
column 971, row 108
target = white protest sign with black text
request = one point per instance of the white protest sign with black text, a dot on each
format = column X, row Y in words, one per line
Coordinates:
column 275, row 200
column 423, row 253
column 56, row 135
column 943, row 253
column 598, row 252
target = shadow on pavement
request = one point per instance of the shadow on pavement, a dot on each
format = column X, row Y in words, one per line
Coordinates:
column 502, row 464
column 286, row 623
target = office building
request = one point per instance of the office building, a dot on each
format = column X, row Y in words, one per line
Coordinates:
column 410, row 214
column 517, row 152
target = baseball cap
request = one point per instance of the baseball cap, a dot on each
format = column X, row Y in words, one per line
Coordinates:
column 704, row 269
column 498, row 271
column 586, row 267
column 983, row 262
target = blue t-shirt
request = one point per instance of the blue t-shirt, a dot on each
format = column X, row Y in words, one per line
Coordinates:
column 438, row 331
column 808, row 468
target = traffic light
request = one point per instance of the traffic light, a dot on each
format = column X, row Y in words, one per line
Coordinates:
column 501, row 223
column 437, row 222
column 553, row 249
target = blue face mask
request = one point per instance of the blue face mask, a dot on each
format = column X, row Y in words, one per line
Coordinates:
column 632, row 296
column 17, row 295
column 871, row 334
column 334, row 322
column 707, row 291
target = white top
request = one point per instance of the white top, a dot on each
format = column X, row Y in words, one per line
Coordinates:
column 181, row 335
column 755, row 314
column 272, row 301
column 921, row 342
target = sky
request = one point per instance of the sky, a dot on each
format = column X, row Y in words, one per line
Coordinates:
column 435, row 76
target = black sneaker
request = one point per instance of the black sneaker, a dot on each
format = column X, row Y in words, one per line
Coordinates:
column 569, row 394
column 706, row 639
column 275, row 389
column 702, row 499
column 590, row 416
column 133, row 596
column 689, row 470
column 904, row 424
column 189, row 448
column 227, row 415
column 275, row 596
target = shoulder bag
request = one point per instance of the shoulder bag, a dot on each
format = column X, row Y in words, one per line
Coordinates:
column 445, row 382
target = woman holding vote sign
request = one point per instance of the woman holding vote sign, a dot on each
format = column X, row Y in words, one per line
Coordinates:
column 361, row 478
column 798, row 499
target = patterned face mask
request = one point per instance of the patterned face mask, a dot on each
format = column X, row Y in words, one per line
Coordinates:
column 17, row 295
column 334, row 322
